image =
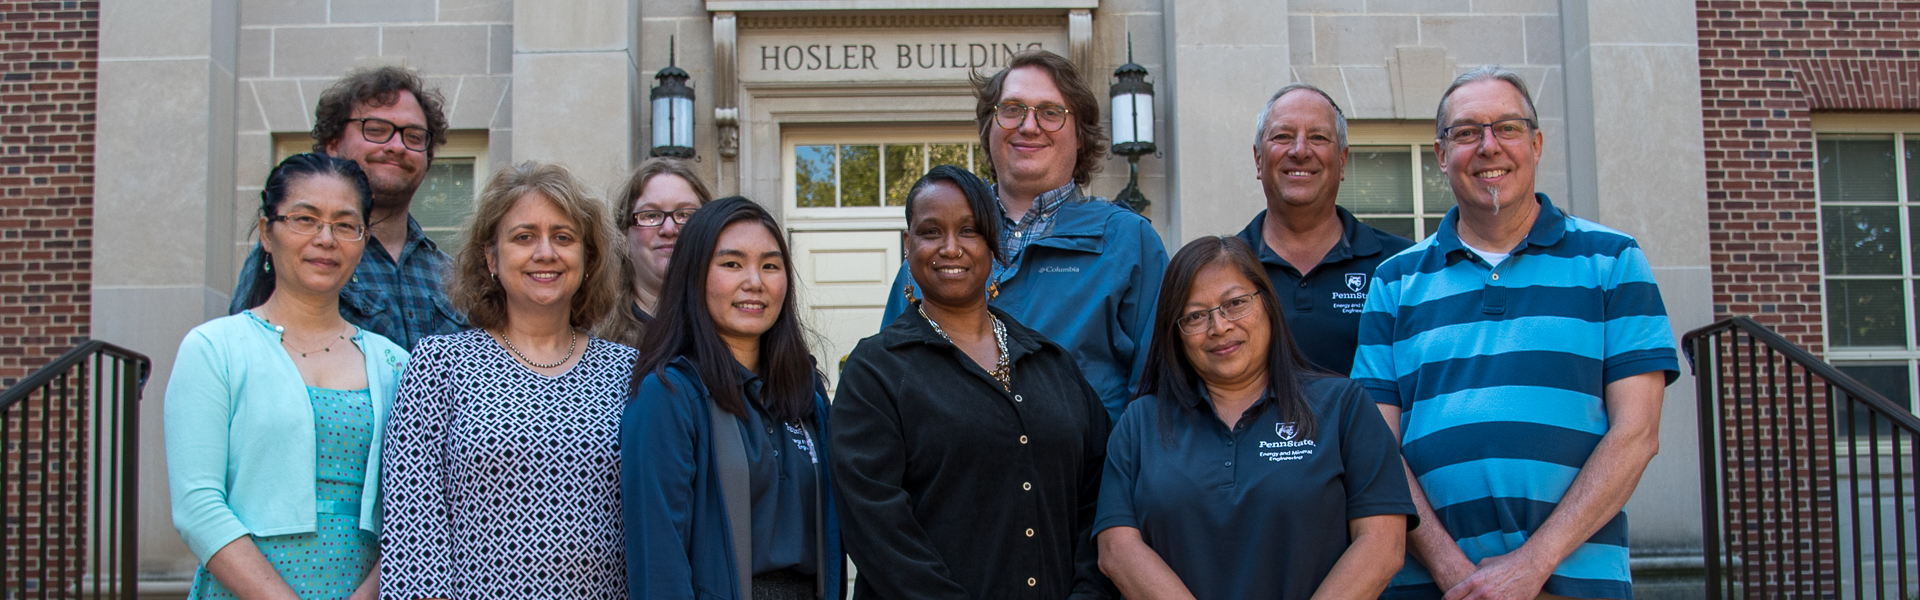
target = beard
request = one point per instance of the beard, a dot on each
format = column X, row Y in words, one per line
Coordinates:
column 393, row 193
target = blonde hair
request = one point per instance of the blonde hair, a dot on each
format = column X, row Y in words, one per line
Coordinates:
column 472, row 288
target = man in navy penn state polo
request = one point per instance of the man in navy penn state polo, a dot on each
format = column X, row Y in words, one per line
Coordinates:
column 1319, row 257
column 1521, row 354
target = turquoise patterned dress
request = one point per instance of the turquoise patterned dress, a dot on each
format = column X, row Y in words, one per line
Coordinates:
column 331, row 562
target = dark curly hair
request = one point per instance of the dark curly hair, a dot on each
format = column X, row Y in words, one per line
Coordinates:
column 1089, row 130
column 376, row 86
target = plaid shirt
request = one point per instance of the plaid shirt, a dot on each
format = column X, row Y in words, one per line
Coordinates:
column 402, row 301
column 1036, row 224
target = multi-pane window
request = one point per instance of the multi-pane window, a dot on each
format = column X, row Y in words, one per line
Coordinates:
column 1870, row 250
column 872, row 174
column 1398, row 188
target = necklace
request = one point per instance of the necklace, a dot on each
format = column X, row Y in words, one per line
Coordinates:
column 303, row 353
column 572, row 340
column 1002, row 371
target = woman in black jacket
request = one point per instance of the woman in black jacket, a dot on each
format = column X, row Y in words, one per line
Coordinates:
column 967, row 448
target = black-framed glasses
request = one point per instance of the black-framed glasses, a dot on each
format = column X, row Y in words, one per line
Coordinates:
column 655, row 218
column 1234, row 309
column 1471, row 133
column 378, row 131
column 349, row 231
column 1050, row 117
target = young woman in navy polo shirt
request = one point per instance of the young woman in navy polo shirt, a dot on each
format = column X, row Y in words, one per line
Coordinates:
column 1242, row 472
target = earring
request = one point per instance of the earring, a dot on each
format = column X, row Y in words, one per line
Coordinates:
column 993, row 290
column 907, row 290
column 266, row 262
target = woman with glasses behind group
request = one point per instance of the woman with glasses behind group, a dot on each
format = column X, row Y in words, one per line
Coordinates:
column 655, row 202
column 272, row 415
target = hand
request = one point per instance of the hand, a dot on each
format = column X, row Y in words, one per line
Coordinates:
column 1502, row 577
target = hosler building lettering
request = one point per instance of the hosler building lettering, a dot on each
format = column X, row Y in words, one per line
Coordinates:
column 836, row 57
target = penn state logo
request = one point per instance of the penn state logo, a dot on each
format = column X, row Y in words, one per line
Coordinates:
column 1356, row 281
column 1286, row 430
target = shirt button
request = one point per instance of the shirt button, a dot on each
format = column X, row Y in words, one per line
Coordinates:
column 1017, row 398
column 1029, row 532
column 1031, row 582
column 1023, row 439
column 1496, row 276
column 1027, row 486
column 1229, row 442
column 1229, row 463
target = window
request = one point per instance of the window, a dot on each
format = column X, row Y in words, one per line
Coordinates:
column 1869, row 228
column 829, row 173
column 445, row 197
column 1393, row 182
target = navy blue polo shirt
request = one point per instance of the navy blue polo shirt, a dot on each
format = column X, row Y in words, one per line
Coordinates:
column 1260, row 511
column 1323, row 306
column 780, row 475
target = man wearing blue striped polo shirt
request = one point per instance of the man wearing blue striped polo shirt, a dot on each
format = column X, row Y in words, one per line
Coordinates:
column 1521, row 354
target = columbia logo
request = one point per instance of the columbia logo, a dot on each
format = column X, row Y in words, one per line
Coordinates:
column 1059, row 269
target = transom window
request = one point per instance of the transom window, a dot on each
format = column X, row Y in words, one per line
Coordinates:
column 1870, row 247
column 872, row 170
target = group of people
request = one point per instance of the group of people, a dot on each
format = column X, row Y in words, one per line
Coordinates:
column 1053, row 408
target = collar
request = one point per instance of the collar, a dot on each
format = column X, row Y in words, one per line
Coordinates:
column 1356, row 239
column 1046, row 203
column 911, row 328
column 1204, row 399
column 1548, row 227
column 750, row 382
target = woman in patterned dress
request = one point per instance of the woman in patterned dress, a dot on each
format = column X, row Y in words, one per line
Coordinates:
column 271, row 414
column 504, row 469
column 724, row 485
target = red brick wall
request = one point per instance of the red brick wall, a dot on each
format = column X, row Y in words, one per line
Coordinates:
column 1765, row 68
column 47, row 74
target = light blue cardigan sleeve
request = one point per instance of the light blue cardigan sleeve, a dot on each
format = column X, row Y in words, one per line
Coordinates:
column 198, row 408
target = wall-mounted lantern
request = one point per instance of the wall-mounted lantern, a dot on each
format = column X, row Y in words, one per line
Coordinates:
column 1132, row 106
column 672, row 111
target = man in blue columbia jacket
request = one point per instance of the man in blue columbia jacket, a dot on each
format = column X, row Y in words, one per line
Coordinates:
column 1079, row 269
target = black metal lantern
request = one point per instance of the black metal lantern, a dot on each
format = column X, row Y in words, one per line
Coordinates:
column 1132, row 106
column 672, row 111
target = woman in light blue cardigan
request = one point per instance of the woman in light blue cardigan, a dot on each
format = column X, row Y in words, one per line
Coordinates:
column 273, row 415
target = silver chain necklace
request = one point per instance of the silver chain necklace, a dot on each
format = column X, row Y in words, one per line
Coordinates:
column 1002, row 372
column 572, row 340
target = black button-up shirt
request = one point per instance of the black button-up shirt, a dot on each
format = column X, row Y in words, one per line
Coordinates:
column 950, row 486
column 1322, row 306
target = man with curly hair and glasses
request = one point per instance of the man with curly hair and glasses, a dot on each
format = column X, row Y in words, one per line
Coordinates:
column 388, row 121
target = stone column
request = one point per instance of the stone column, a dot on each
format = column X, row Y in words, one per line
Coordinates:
column 1633, row 115
column 163, row 206
column 1224, row 59
column 576, row 98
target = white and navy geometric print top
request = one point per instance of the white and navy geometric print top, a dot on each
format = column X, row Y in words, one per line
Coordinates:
column 501, row 482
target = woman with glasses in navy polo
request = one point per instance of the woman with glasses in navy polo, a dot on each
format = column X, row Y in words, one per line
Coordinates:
column 1241, row 472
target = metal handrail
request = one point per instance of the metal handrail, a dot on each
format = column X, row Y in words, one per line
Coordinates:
column 1900, row 414
column 46, row 374
column 72, row 430
column 1773, row 434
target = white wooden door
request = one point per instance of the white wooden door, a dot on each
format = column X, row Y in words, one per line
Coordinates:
column 844, row 276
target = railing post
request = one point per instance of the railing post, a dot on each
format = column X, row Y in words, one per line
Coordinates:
column 1706, row 361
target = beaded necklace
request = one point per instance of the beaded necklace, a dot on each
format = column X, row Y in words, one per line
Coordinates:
column 1002, row 372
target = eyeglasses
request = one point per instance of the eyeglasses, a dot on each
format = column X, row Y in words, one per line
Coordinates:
column 378, row 131
column 655, row 218
column 308, row 225
column 1050, row 117
column 1470, row 133
column 1234, row 309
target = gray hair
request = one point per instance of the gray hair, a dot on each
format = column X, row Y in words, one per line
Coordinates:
column 1441, row 118
column 1260, row 121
